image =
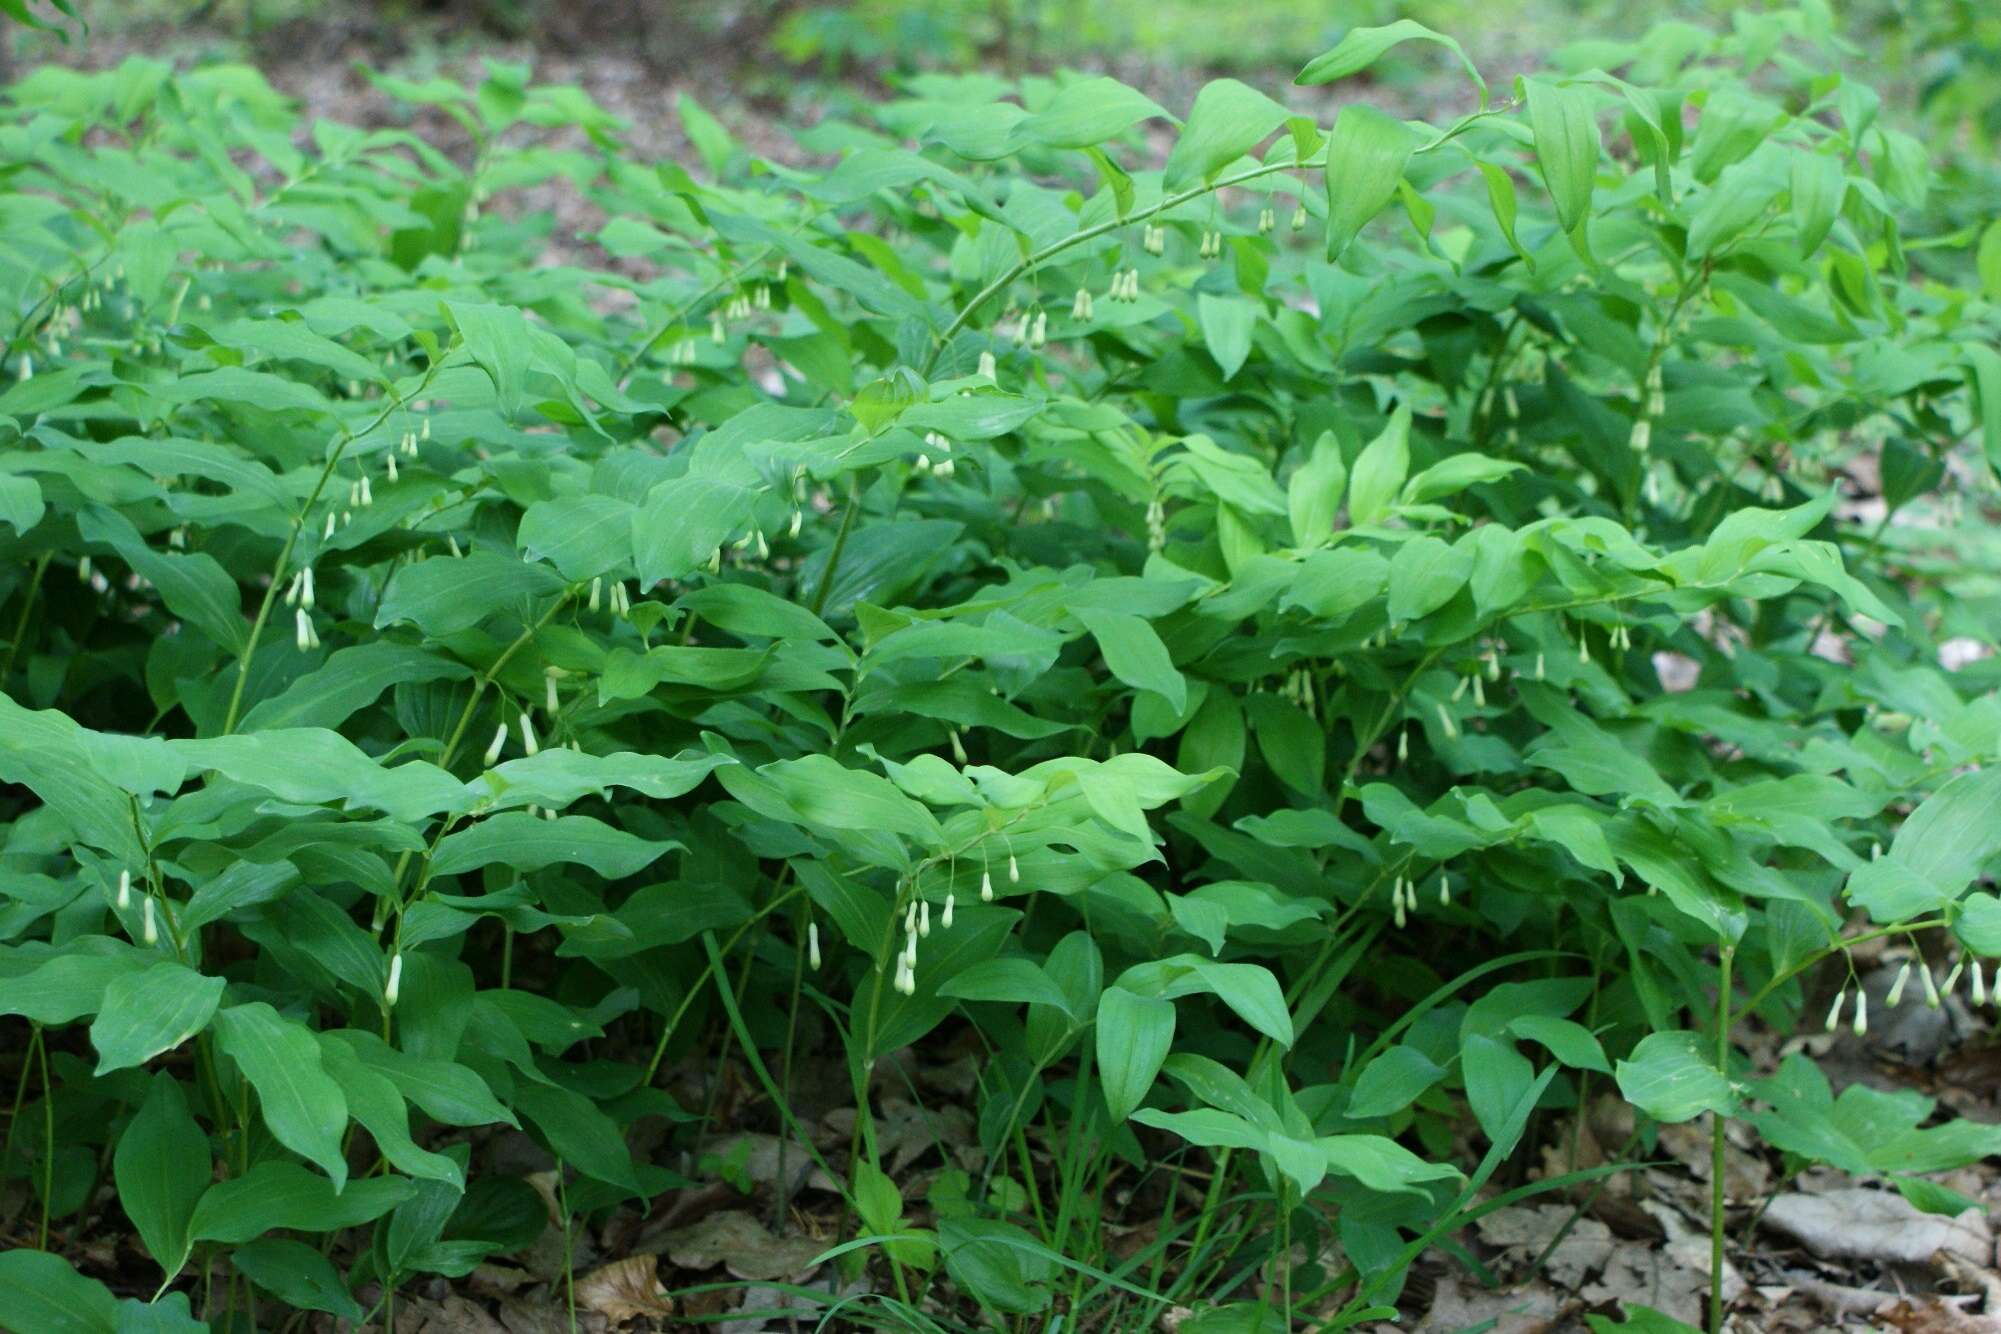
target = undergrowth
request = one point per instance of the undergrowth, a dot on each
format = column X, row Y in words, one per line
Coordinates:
column 1299, row 665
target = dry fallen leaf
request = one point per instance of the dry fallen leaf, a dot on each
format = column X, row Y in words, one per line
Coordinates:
column 625, row 1290
column 1524, row 1232
column 1860, row 1224
column 738, row 1242
column 1531, row 1308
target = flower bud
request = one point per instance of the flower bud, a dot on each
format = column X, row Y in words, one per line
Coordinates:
column 1896, row 996
column 1540, row 671
column 924, row 918
column 813, row 945
column 149, row 931
column 1834, row 1014
column 1013, row 870
column 528, row 742
column 292, row 591
column 986, row 887
column 988, row 366
column 124, row 890
column 1979, row 990
column 597, row 589
column 1445, row 721
column 329, row 531
column 1931, row 987
column 392, row 467
column 1861, row 1028
column 945, row 918
column 958, row 746
column 395, row 984
column 1952, row 978
column 303, row 630
column 494, row 747
column 1444, row 890
column 83, row 570
column 306, row 594
column 1299, row 218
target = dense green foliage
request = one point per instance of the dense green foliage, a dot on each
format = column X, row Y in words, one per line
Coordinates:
column 1286, row 650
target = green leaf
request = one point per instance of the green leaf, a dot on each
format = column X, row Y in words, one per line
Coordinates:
column 1819, row 184
column 1381, row 1164
column 21, row 503
column 1569, row 1042
column 47, row 1296
column 1978, row 925
column 1366, row 155
column 147, row 1013
column 705, row 132
column 1011, row 981
column 303, row 1108
column 1229, row 119
column 498, row 339
column 1502, row 198
column 1313, row 496
column 313, row 765
column 195, row 587
column 1987, row 261
column 1425, row 574
column 1567, row 147
column 582, row 536
column 297, row 1275
column 1497, row 1077
column 556, row 778
column 1392, row 1082
column 527, row 843
column 349, row 681
column 1135, row 655
column 1134, row 1034
column 1983, row 376
column 1450, row 476
column 444, row 595
column 275, row 1194
column 1380, row 470
column 684, row 522
column 1085, row 113
column 579, row 1133
column 1937, row 852
column 1670, row 1078
column 1227, row 322
column 161, row 1166
column 1362, row 47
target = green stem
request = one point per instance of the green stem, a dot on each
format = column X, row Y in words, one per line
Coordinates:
column 1717, row 1121
column 48, row 1133
column 347, row 438
column 834, row 556
column 1167, row 202
column 1840, row 946
column 21, row 623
